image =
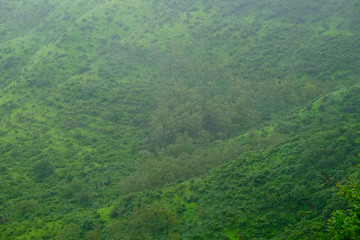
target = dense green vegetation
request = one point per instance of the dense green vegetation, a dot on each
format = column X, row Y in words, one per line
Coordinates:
column 169, row 119
column 345, row 224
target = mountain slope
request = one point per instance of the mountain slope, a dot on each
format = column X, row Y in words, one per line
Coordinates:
column 280, row 187
column 100, row 93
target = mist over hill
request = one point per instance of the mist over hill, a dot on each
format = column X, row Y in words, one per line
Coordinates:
column 169, row 119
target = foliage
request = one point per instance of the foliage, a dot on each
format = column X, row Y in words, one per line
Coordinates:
column 346, row 224
column 212, row 119
column 71, row 231
column 43, row 169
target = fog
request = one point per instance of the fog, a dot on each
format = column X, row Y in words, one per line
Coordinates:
column 169, row 119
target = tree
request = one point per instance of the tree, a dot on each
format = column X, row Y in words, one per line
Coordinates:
column 69, row 232
column 151, row 219
column 93, row 235
column 115, row 230
column 345, row 225
column 26, row 207
column 43, row 169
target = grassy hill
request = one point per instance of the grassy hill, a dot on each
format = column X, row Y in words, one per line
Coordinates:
column 103, row 103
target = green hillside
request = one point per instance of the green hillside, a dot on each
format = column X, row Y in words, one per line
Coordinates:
column 279, row 185
column 169, row 119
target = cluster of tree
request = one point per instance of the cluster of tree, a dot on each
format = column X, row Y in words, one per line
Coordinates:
column 211, row 112
column 225, row 68
column 345, row 224
column 146, row 221
column 279, row 176
column 189, row 120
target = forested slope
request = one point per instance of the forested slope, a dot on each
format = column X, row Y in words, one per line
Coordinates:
column 104, row 102
column 277, row 182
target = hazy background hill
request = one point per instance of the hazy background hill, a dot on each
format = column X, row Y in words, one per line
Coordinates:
column 105, row 103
